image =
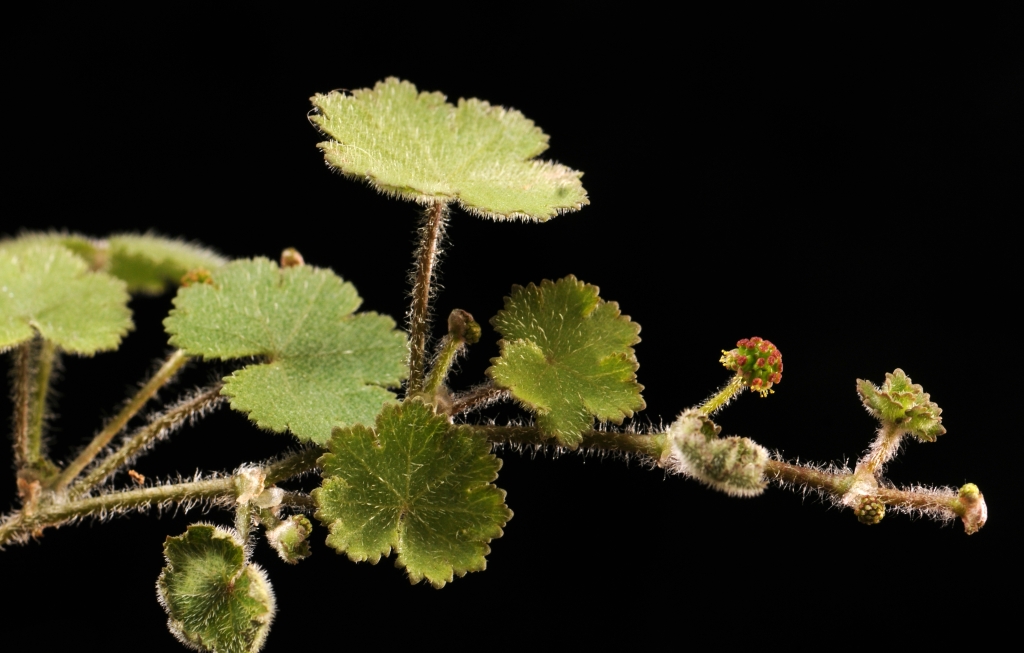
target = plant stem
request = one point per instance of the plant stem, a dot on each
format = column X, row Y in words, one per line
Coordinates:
column 134, row 405
column 44, row 370
column 22, row 399
column 20, row 525
column 475, row 398
column 430, row 233
column 159, row 426
column 450, row 348
column 722, row 398
column 652, row 446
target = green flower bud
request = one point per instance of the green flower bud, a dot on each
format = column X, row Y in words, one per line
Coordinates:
column 870, row 510
column 289, row 538
column 758, row 362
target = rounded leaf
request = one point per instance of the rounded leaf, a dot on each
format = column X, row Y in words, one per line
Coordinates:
column 45, row 288
column 414, row 485
column 215, row 600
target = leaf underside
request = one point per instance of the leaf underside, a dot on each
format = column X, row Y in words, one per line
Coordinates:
column 413, row 485
column 45, row 288
column 568, row 356
column 321, row 365
column 215, row 601
column 419, row 147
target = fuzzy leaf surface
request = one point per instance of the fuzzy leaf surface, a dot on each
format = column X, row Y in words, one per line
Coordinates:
column 414, row 485
column 214, row 599
column 322, row 366
column 567, row 354
column 46, row 288
column 419, row 147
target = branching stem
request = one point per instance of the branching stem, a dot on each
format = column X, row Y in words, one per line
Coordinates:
column 481, row 395
column 430, row 235
column 19, row 526
column 134, row 405
column 158, row 427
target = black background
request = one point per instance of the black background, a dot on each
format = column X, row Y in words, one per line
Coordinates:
column 841, row 185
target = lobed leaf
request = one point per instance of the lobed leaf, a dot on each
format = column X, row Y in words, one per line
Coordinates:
column 567, row 355
column 45, row 288
column 419, row 147
column 321, row 365
column 414, row 485
column 214, row 599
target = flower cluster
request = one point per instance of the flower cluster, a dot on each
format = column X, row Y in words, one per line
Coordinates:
column 758, row 362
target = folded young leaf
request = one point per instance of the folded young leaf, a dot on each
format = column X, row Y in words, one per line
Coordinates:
column 419, row 147
column 567, row 354
column 904, row 405
column 45, row 288
column 321, row 365
column 414, row 485
column 215, row 600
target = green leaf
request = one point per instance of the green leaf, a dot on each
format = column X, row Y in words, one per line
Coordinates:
column 321, row 365
column 150, row 263
column 216, row 601
column 418, row 147
column 45, row 288
column 415, row 485
column 147, row 263
column 567, row 354
column 904, row 405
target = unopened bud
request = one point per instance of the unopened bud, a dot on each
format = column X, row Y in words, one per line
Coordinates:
column 290, row 258
column 462, row 326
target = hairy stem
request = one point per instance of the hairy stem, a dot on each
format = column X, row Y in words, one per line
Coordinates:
column 430, row 234
column 47, row 356
column 722, row 398
column 159, row 426
column 18, row 526
column 134, row 405
column 652, row 446
column 21, row 374
column 478, row 397
column 448, row 351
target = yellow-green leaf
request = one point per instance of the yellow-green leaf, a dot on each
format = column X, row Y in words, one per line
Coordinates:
column 421, row 148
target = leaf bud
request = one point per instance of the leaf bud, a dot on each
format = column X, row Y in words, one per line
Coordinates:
column 248, row 484
column 462, row 326
column 289, row 538
column 870, row 510
column 974, row 510
column 903, row 405
column 290, row 258
column 196, row 276
column 757, row 361
column 732, row 465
